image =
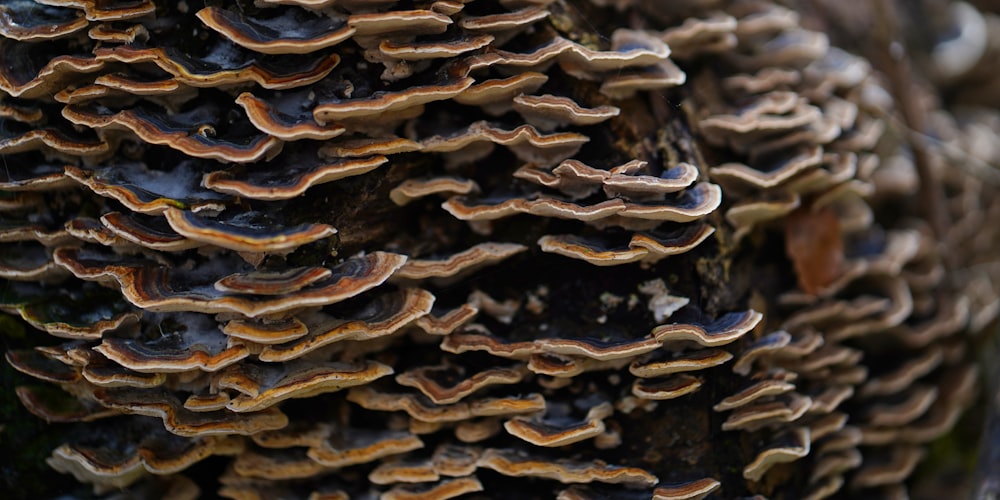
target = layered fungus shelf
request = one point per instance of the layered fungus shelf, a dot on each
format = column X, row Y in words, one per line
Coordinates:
column 528, row 248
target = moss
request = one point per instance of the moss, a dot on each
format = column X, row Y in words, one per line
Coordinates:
column 11, row 328
column 951, row 460
column 25, row 442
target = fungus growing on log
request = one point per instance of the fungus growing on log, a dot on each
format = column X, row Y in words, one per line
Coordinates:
column 517, row 249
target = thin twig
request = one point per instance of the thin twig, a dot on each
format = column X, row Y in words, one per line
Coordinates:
column 896, row 65
column 982, row 170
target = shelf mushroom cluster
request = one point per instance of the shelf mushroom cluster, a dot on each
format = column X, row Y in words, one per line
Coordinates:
column 169, row 189
column 231, row 215
column 867, row 360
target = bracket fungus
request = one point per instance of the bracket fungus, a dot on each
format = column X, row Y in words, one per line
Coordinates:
column 570, row 249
